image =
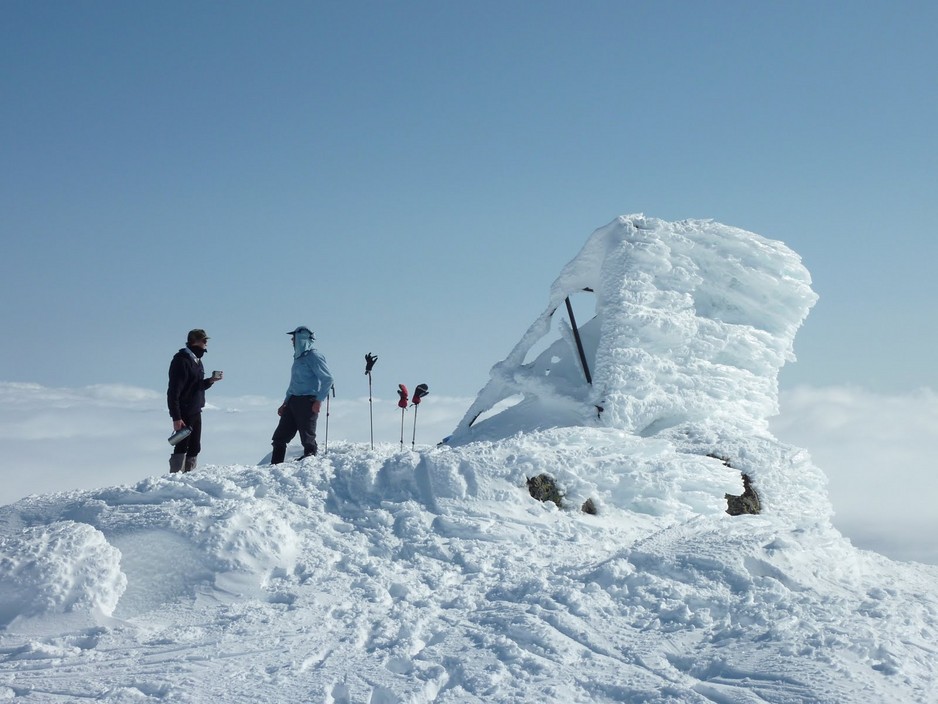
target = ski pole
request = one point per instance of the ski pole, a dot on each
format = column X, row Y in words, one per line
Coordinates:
column 402, row 403
column 370, row 360
column 420, row 391
column 325, row 446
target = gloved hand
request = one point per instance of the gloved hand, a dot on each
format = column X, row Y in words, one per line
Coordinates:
column 282, row 408
column 316, row 406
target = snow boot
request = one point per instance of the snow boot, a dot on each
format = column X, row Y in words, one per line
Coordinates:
column 191, row 461
column 280, row 451
column 176, row 462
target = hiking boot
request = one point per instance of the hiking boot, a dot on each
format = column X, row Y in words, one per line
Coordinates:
column 177, row 462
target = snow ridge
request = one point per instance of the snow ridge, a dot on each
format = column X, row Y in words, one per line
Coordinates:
column 391, row 576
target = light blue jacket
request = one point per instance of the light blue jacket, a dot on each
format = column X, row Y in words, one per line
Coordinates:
column 309, row 376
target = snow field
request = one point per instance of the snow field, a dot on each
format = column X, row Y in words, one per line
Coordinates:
column 398, row 576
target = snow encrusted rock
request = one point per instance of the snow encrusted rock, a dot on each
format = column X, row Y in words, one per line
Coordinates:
column 693, row 321
column 384, row 575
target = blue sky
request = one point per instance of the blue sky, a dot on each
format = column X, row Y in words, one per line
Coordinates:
column 408, row 178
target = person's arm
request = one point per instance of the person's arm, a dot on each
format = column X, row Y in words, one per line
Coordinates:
column 323, row 375
column 174, row 388
column 286, row 396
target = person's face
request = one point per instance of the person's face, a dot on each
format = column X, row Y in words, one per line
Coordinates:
column 201, row 344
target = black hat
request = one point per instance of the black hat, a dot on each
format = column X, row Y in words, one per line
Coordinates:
column 302, row 328
column 196, row 335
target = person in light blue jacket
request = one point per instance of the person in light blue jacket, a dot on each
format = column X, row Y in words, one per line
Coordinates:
column 310, row 382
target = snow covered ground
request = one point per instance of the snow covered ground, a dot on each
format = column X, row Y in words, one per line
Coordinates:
column 388, row 575
column 393, row 576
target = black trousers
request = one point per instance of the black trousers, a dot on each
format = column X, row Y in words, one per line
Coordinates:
column 298, row 417
column 192, row 445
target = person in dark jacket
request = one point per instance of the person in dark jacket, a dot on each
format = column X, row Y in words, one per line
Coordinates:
column 185, row 397
column 310, row 382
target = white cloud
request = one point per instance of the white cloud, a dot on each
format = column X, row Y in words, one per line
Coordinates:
column 877, row 451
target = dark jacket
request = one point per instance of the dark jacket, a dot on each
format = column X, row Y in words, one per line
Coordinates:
column 185, row 394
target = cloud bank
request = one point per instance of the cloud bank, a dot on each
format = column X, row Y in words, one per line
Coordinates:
column 878, row 453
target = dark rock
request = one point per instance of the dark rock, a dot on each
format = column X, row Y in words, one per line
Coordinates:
column 589, row 507
column 747, row 502
column 724, row 460
column 544, row 488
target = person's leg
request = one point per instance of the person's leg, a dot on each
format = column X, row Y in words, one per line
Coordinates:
column 305, row 423
column 284, row 433
column 194, row 441
column 177, row 462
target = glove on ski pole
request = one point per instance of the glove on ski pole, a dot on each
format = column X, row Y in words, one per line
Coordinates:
column 402, row 403
column 370, row 360
column 420, row 391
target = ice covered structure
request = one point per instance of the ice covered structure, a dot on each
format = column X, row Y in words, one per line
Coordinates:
column 693, row 321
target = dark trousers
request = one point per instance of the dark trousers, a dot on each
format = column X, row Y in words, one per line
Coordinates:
column 297, row 417
column 192, row 445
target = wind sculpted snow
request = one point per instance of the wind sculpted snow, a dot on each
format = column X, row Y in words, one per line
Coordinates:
column 693, row 321
column 387, row 576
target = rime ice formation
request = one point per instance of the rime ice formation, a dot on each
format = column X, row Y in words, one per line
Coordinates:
column 693, row 321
